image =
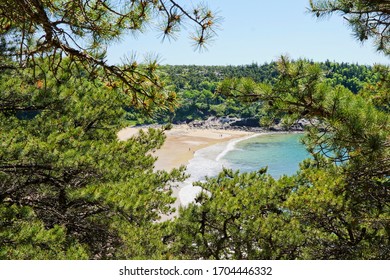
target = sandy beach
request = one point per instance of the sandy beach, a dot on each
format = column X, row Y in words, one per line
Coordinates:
column 182, row 142
column 180, row 146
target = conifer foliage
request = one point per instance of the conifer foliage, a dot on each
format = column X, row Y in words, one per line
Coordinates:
column 337, row 206
column 368, row 18
column 82, row 30
column 65, row 177
column 68, row 188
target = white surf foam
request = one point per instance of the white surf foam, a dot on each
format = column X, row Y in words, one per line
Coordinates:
column 231, row 146
column 202, row 165
column 207, row 162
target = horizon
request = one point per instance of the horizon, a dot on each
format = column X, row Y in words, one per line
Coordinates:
column 266, row 62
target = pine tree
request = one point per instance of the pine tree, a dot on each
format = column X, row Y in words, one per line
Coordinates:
column 341, row 196
column 239, row 216
column 82, row 30
column 65, row 175
column 68, row 188
column 338, row 204
column 367, row 18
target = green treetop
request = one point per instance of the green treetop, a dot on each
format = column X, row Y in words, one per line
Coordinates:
column 337, row 206
column 69, row 189
column 66, row 179
column 82, row 30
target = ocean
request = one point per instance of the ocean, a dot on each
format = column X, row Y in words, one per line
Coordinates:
column 280, row 152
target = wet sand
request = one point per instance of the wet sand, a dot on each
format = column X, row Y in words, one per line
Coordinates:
column 180, row 146
column 182, row 142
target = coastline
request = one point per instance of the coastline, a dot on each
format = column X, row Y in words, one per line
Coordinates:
column 182, row 141
column 180, row 146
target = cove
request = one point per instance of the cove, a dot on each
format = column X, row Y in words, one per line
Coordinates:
column 280, row 152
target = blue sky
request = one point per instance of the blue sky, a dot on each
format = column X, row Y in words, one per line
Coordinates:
column 257, row 31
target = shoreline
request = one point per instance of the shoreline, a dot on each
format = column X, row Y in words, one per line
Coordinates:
column 181, row 143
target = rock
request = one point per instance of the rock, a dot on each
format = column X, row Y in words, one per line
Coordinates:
column 249, row 122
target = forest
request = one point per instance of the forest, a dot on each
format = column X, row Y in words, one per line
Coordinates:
column 70, row 190
column 198, row 98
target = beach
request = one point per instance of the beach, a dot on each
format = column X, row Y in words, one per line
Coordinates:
column 180, row 146
column 205, row 152
column 183, row 141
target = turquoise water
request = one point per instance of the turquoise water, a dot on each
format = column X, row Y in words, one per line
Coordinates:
column 282, row 153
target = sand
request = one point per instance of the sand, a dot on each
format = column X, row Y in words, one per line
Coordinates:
column 182, row 142
column 180, row 146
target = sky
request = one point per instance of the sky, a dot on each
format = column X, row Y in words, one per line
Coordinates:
column 256, row 31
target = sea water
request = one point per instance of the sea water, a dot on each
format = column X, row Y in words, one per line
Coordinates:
column 280, row 153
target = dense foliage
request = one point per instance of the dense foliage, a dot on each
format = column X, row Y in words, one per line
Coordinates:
column 336, row 207
column 198, row 99
column 69, row 189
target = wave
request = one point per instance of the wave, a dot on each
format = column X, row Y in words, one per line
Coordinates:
column 282, row 156
column 207, row 162
column 231, row 146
